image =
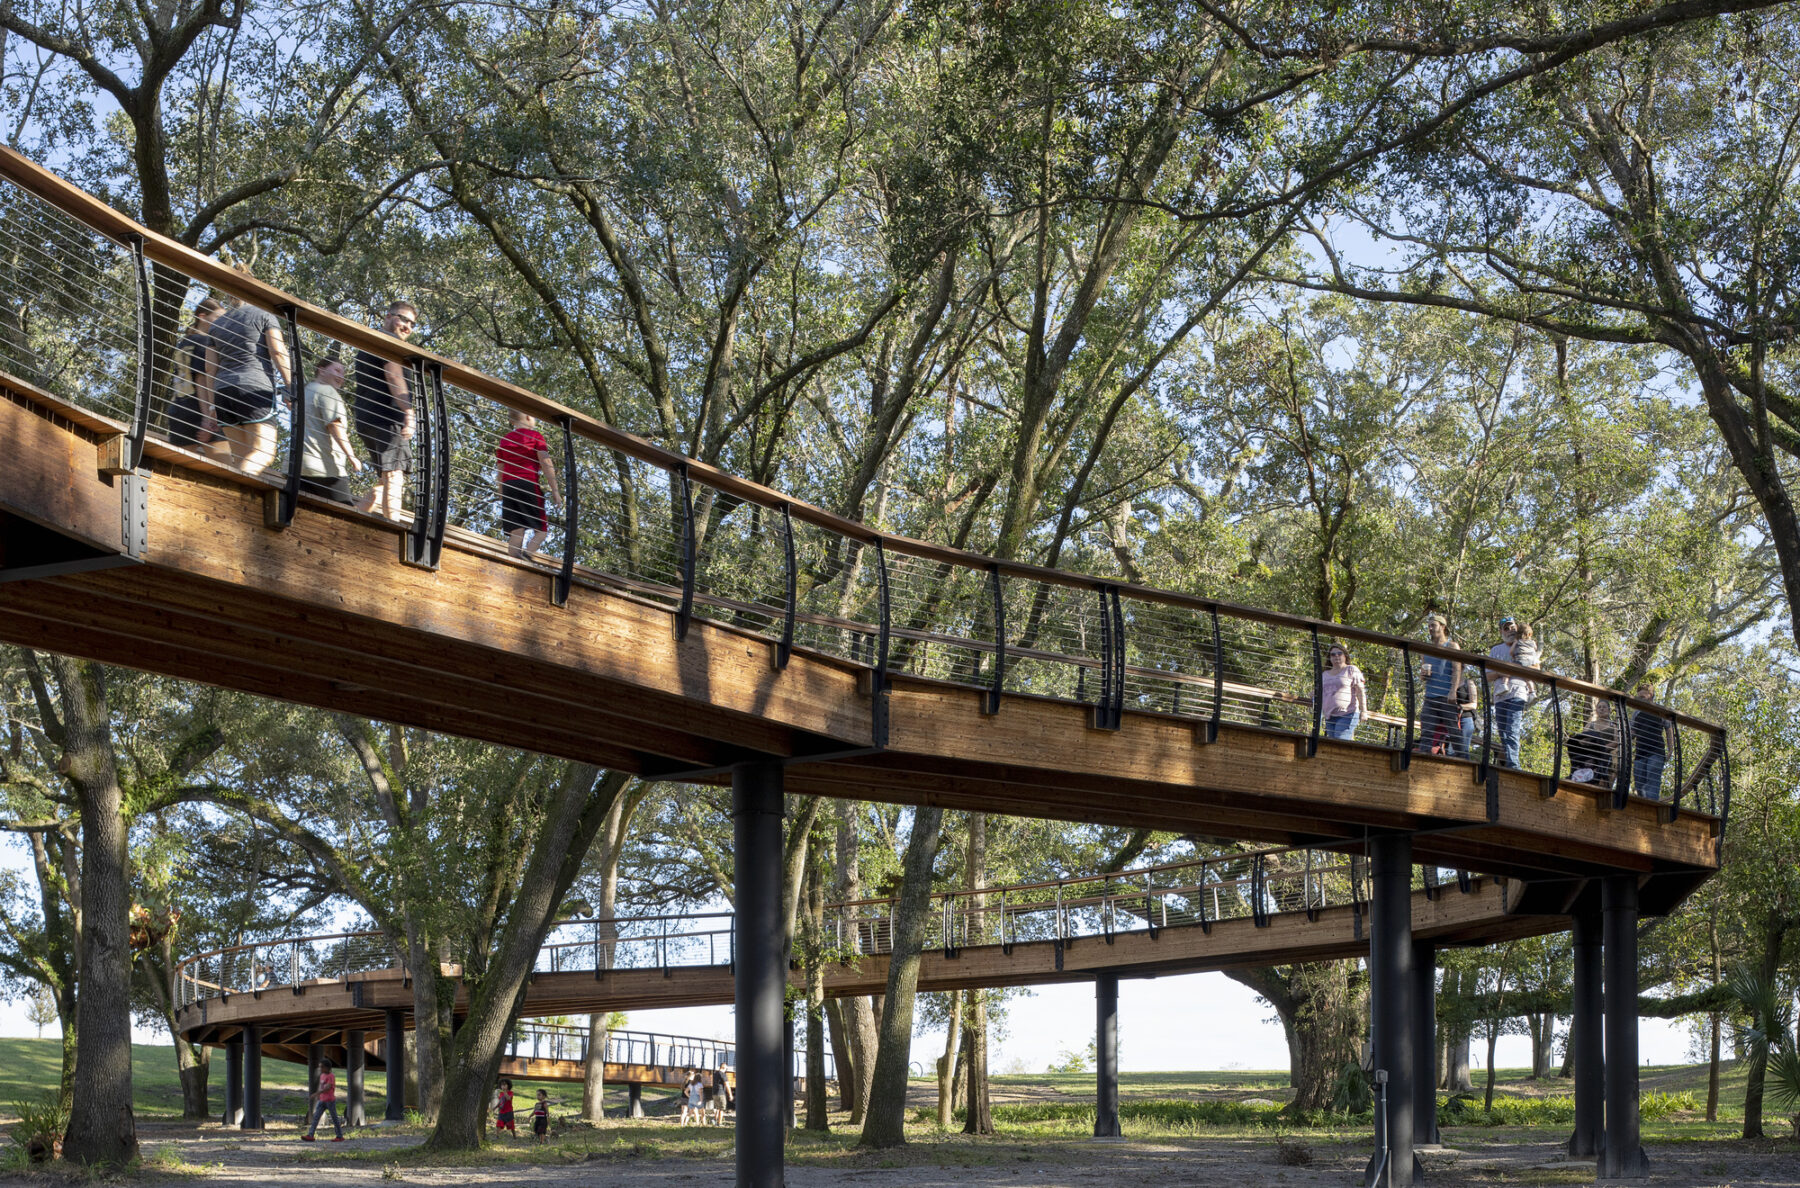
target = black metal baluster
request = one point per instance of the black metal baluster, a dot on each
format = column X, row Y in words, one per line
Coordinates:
column 133, row 455
column 1103, row 702
column 1725, row 808
column 1622, row 777
column 1680, row 773
column 413, row 548
column 784, row 650
column 1118, row 615
column 1210, row 733
column 1548, row 787
column 559, row 589
column 881, row 657
column 684, row 614
column 440, row 462
column 1487, row 727
column 1318, row 697
column 1409, row 739
column 999, row 681
column 278, row 511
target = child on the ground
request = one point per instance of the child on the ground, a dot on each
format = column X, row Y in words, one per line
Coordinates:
column 503, row 1109
column 524, row 458
column 325, row 1102
column 540, row 1117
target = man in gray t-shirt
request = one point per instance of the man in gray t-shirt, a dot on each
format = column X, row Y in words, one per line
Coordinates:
column 325, row 453
column 247, row 363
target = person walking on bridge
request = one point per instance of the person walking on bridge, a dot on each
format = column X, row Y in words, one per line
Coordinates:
column 385, row 417
column 247, row 365
column 1439, row 713
column 525, row 470
column 1510, row 694
column 1346, row 694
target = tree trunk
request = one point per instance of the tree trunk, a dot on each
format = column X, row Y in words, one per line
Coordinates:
column 101, row 1126
column 1543, row 1035
column 840, row 1053
column 946, row 1064
column 1493, row 1038
column 1322, row 1012
column 818, row 1108
column 885, row 1125
column 860, row 1028
column 578, row 808
column 1759, row 1053
column 980, row 1116
column 427, row 1064
column 593, row 1072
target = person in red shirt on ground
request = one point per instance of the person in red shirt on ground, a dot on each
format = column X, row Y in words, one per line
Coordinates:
column 325, row 1102
column 524, row 458
column 503, row 1109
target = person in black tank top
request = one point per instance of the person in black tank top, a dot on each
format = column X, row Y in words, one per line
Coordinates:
column 384, row 415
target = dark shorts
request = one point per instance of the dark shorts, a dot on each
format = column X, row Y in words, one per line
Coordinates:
column 184, row 422
column 379, row 427
column 540, row 1125
column 235, row 406
column 522, row 506
column 335, row 489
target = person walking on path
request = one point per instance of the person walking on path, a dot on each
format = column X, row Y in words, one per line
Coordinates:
column 1649, row 746
column 1346, row 694
column 1510, row 694
column 525, row 470
column 385, row 416
column 325, row 1102
column 1439, row 712
column 325, row 454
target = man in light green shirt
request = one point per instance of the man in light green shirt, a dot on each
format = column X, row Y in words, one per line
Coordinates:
column 325, row 454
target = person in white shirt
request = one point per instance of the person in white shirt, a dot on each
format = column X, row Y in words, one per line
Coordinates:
column 325, row 455
column 1346, row 697
column 1510, row 694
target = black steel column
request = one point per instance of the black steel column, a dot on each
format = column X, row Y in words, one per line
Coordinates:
column 1106, row 1055
column 1621, row 1156
column 1390, row 998
column 395, row 1056
column 234, row 1082
column 1587, row 1039
column 253, row 1117
column 1424, row 1041
column 761, row 975
column 634, row 1100
column 355, row 1065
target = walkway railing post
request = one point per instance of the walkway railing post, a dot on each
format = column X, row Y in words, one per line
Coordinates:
column 279, row 511
column 1102, row 716
column 684, row 613
column 878, row 684
column 1406, row 744
column 1318, row 697
column 440, row 468
column 128, row 453
column 414, row 543
column 1622, row 777
column 1556, row 725
column 565, row 577
column 790, row 577
column 1210, row 733
column 998, row 684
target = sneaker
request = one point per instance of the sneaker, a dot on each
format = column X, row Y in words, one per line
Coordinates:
column 338, row 1139
column 306, row 1138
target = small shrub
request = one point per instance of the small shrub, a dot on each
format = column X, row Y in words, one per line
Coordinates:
column 1290, row 1152
column 1658, row 1105
column 1351, row 1093
column 42, row 1123
column 391, row 1171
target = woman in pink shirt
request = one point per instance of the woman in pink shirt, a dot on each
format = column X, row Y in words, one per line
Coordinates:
column 1346, row 694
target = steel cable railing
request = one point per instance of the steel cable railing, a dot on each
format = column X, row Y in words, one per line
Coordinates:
column 705, row 544
column 1253, row 885
column 532, row 1040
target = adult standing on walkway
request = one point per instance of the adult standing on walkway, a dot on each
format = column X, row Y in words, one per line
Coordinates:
column 325, row 454
column 192, row 420
column 1346, row 694
column 246, row 367
column 1511, row 693
column 1649, row 747
column 385, row 417
column 1439, row 712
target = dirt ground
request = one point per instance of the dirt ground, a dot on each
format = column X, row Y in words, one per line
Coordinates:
column 275, row 1157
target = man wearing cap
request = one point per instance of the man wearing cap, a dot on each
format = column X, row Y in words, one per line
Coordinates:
column 1510, row 693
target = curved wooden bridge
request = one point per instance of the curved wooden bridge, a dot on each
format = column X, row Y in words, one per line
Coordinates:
column 697, row 626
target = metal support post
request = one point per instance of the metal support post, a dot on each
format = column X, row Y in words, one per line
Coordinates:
column 1586, row 1038
column 356, row 1054
column 1621, row 1156
column 1106, row 1055
column 1390, row 998
column 1424, row 1040
column 761, row 974
column 253, row 1117
column 565, row 576
column 234, row 1082
column 396, row 1067
column 634, row 1100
